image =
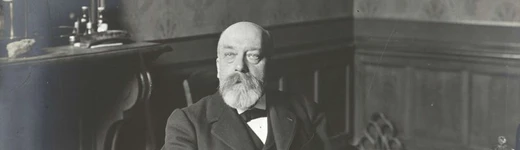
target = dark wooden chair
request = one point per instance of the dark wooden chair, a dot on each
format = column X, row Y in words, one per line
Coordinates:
column 200, row 84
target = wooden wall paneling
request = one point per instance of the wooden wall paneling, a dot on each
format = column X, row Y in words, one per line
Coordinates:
column 381, row 91
column 466, row 104
column 350, row 103
column 470, row 73
column 494, row 109
column 452, row 82
column 459, row 63
column 349, row 99
column 437, row 105
column 316, row 86
column 407, row 128
column 359, row 97
column 457, row 34
column 416, row 82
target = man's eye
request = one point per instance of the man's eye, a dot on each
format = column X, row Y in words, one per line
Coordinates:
column 254, row 57
column 229, row 54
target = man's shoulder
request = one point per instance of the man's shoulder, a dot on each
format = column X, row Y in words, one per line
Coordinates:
column 200, row 105
column 204, row 108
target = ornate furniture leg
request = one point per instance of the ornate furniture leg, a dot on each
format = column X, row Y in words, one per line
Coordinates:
column 144, row 92
column 146, row 88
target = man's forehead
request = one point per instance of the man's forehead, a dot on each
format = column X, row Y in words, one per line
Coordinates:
column 241, row 35
column 242, row 30
column 242, row 40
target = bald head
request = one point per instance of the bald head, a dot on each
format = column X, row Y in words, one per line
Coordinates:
column 246, row 34
column 245, row 27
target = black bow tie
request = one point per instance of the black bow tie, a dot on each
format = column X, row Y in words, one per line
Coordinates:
column 254, row 113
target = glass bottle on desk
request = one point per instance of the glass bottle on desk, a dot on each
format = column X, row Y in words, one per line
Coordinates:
column 102, row 27
column 84, row 20
column 9, row 20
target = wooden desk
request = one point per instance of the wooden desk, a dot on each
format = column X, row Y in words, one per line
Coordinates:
column 73, row 98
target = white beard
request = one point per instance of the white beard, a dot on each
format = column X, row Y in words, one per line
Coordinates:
column 241, row 95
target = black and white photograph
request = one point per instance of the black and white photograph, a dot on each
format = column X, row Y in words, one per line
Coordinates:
column 259, row 75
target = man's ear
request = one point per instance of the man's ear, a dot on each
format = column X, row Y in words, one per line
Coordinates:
column 218, row 68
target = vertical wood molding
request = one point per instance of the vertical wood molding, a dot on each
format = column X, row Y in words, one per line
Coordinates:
column 359, row 99
column 348, row 101
column 465, row 93
column 316, row 86
column 80, row 135
column 408, row 94
column 281, row 84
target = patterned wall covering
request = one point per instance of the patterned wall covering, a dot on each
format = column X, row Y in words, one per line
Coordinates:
column 466, row 11
column 161, row 19
column 1, row 20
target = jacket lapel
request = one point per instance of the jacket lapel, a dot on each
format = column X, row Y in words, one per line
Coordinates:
column 283, row 122
column 270, row 143
column 228, row 126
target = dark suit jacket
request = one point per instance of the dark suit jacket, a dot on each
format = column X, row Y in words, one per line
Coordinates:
column 210, row 124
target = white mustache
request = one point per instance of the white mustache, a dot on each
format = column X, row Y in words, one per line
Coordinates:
column 247, row 81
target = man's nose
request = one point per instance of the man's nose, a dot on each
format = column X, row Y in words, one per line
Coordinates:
column 241, row 66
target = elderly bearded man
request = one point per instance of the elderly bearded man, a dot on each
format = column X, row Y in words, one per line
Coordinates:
column 243, row 115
